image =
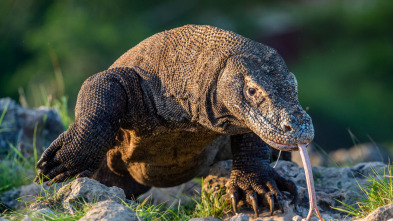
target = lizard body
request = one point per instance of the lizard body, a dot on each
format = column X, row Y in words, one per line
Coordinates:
column 147, row 120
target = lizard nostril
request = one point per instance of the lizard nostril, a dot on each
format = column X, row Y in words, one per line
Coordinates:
column 287, row 128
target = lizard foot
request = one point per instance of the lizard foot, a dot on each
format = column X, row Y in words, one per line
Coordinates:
column 261, row 188
column 71, row 154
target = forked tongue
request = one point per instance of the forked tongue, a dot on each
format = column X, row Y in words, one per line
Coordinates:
column 310, row 181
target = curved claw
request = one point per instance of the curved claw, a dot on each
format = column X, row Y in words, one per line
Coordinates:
column 39, row 177
column 254, row 203
column 234, row 203
column 270, row 200
column 63, row 177
column 86, row 173
column 50, row 151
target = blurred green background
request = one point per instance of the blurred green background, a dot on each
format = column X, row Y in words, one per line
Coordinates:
column 340, row 51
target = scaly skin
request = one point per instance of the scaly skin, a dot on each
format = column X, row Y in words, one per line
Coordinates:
column 146, row 121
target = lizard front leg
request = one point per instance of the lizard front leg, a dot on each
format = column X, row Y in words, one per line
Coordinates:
column 252, row 178
column 102, row 102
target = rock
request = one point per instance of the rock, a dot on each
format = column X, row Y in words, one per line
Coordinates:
column 214, row 184
column 42, row 213
column 218, row 176
column 12, row 198
column 366, row 152
column 87, row 190
column 205, row 219
column 40, row 210
column 380, row 214
column 218, row 149
column 221, row 169
column 297, row 218
column 17, row 127
column 110, row 210
column 1, row 219
column 239, row 217
column 225, row 152
column 172, row 195
column 330, row 183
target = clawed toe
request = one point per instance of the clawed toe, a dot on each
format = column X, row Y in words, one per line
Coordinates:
column 234, row 203
column 265, row 194
column 252, row 199
column 256, row 200
column 270, row 200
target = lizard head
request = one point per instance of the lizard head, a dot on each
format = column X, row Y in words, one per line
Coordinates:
column 260, row 92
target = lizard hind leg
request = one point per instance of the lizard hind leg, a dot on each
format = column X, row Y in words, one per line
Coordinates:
column 113, row 172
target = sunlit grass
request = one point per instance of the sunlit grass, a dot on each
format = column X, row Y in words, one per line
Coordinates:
column 54, row 210
column 204, row 205
column 376, row 193
column 212, row 204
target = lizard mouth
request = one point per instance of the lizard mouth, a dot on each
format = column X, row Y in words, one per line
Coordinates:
column 283, row 147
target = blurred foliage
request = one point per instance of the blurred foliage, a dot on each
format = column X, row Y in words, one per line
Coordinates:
column 340, row 51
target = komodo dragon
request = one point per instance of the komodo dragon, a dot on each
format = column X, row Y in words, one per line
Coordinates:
column 147, row 119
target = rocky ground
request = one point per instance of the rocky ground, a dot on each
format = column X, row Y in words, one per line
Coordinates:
column 109, row 203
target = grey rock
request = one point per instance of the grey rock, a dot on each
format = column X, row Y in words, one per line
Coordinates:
column 171, row 196
column 2, row 219
column 110, row 210
column 42, row 213
column 239, row 217
column 221, row 169
column 297, row 218
column 218, row 150
column 366, row 152
column 214, row 184
column 87, row 190
column 277, row 216
column 18, row 126
column 40, row 210
column 225, row 152
column 380, row 214
column 12, row 198
column 205, row 219
column 330, row 183
column 218, row 176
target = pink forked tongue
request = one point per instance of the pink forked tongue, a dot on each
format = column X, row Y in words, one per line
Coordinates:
column 310, row 181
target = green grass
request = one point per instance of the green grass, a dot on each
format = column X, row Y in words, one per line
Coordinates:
column 22, row 171
column 49, row 197
column 376, row 193
column 14, row 158
column 23, row 168
column 212, row 204
column 2, row 118
column 207, row 204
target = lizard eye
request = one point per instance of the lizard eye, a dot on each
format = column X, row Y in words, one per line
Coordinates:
column 252, row 91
